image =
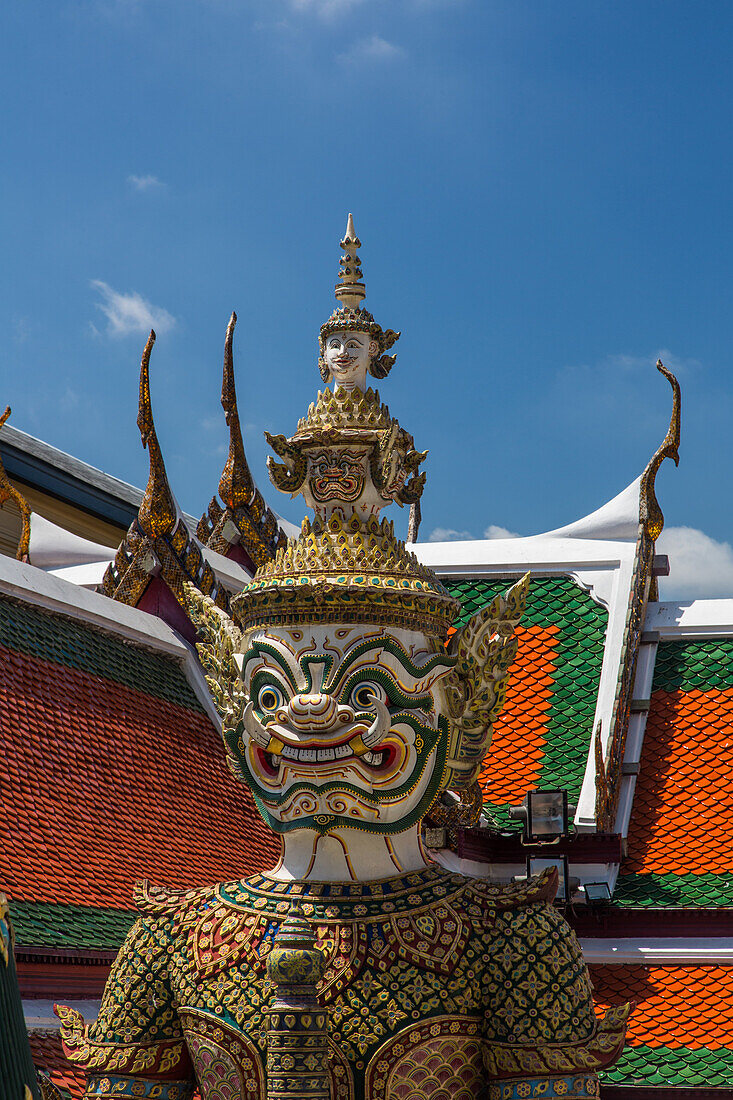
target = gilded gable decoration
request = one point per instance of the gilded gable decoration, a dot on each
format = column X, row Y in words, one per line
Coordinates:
column 158, row 543
column 9, row 492
column 245, row 519
column 644, row 588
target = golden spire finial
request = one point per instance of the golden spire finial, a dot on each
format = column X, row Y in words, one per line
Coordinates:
column 650, row 513
column 236, row 485
column 349, row 290
column 157, row 513
column 9, row 492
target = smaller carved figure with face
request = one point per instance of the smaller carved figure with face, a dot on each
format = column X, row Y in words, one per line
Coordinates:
column 347, row 355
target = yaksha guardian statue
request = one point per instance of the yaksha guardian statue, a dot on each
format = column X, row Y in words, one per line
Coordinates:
column 358, row 968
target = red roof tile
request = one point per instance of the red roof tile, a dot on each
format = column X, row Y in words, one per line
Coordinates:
column 105, row 784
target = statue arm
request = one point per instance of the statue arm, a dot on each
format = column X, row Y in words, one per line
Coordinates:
column 137, row 1037
column 540, row 1027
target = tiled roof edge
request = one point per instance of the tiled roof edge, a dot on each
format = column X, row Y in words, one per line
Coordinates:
column 47, row 926
column 34, row 586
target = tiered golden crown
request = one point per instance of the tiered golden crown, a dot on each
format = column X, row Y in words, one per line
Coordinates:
column 349, row 458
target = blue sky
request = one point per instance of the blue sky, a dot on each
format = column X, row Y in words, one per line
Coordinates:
column 543, row 191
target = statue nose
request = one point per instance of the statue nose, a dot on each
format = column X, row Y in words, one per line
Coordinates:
column 315, row 711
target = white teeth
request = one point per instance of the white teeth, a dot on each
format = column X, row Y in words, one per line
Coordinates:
column 373, row 757
column 322, row 756
column 313, row 756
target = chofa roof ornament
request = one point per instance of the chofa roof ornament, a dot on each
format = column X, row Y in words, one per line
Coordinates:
column 650, row 512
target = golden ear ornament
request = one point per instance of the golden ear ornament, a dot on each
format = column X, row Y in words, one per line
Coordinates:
column 475, row 690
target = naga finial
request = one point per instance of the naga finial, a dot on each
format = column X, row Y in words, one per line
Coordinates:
column 650, row 513
column 236, row 485
column 157, row 513
column 9, row 492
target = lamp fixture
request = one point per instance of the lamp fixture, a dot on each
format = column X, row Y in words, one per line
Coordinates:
column 597, row 893
column 545, row 816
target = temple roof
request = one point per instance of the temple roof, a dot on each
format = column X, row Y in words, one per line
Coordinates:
column 113, row 761
column 679, row 842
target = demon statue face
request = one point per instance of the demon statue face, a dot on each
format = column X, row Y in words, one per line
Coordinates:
column 344, row 726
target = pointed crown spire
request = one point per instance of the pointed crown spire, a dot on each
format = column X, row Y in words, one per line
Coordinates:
column 350, row 291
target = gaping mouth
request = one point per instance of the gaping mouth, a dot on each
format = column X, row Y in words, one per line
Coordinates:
column 379, row 759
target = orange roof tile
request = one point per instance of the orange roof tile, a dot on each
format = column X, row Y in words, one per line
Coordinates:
column 676, row 1006
column 683, row 804
column 520, row 734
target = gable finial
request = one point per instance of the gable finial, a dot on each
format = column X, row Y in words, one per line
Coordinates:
column 650, row 513
column 236, row 485
column 9, row 492
column 157, row 513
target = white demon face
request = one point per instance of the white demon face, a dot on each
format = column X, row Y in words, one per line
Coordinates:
column 344, row 726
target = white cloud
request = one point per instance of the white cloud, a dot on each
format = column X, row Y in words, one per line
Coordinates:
column 699, row 567
column 447, row 534
column 326, row 9
column 130, row 313
column 144, row 183
column 495, row 532
column 372, row 49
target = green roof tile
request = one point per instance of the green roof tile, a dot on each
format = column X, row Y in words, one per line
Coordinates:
column 555, row 602
column 53, row 637
column 699, row 665
column 41, row 924
column 673, row 891
column 671, row 1066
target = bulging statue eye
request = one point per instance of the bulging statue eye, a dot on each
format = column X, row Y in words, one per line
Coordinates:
column 365, row 692
column 269, row 698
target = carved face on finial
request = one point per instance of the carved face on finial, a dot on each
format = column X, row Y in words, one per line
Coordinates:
column 344, row 726
column 347, row 355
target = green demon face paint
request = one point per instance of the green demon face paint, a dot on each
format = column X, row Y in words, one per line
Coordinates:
column 343, row 727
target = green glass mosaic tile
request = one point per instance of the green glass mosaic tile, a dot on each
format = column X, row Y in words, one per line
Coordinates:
column 41, row 924
column 702, row 665
column 581, row 630
column 52, row 637
column 671, row 891
column 672, row 1066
